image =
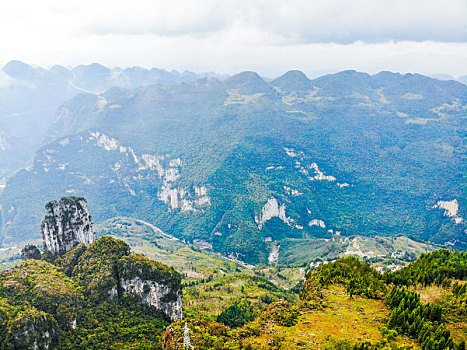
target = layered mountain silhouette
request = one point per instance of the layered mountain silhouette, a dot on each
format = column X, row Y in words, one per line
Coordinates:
column 30, row 96
column 257, row 169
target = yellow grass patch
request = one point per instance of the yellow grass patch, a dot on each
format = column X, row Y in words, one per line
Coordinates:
column 430, row 294
column 344, row 318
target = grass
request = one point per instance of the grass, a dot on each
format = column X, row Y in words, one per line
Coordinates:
column 431, row 294
column 285, row 277
column 344, row 318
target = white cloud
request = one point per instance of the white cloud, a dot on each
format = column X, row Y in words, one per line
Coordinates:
column 297, row 21
column 428, row 36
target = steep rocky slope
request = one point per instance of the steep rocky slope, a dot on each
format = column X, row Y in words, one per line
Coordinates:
column 67, row 224
column 49, row 305
column 259, row 170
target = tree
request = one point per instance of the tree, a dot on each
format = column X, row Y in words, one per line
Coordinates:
column 30, row 251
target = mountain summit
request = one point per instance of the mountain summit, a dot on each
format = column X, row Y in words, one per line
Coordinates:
column 293, row 80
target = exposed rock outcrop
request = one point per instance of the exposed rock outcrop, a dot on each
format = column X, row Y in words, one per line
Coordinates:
column 152, row 283
column 33, row 330
column 108, row 270
column 273, row 257
column 67, row 223
column 270, row 210
column 451, row 209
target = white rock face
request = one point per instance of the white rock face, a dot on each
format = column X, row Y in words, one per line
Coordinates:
column 451, row 209
column 275, row 167
column 311, row 170
column 3, row 143
column 203, row 201
column 273, row 257
column 151, row 283
column 319, row 174
column 201, row 191
column 180, row 198
column 316, row 222
column 272, row 209
column 293, row 153
column 168, row 171
column 177, row 162
column 107, row 143
column 67, row 224
column 154, row 294
column 292, row 192
column 38, row 332
column 342, row 185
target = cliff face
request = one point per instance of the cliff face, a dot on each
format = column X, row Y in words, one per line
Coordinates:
column 67, row 223
column 152, row 283
column 107, row 270
column 66, row 301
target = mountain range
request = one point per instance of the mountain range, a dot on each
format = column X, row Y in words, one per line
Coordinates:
column 255, row 170
column 30, row 95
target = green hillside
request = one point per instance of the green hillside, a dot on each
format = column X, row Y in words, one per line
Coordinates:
column 67, row 302
column 345, row 305
column 260, row 170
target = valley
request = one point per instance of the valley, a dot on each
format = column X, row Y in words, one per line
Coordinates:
column 325, row 160
column 290, row 213
column 343, row 303
column 233, row 175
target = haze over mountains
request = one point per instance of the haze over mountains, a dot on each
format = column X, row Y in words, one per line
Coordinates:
column 256, row 170
column 30, row 96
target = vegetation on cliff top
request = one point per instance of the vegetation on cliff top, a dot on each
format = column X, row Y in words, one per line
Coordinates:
column 65, row 303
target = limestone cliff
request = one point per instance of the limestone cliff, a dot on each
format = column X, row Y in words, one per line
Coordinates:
column 152, row 283
column 67, row 223
column 64, row 300
column 107, row 270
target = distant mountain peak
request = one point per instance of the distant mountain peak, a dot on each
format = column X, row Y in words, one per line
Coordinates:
column 293, row 80
column 247, row 82
column 93, row 67
column 19, row 70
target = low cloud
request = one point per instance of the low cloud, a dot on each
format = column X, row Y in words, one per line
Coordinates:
column 287, row 22
column 269, row 36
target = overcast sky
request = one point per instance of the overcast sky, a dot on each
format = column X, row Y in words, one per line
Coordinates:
column 270, row 37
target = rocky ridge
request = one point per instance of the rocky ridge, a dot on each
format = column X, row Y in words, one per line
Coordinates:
column 68, row 224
